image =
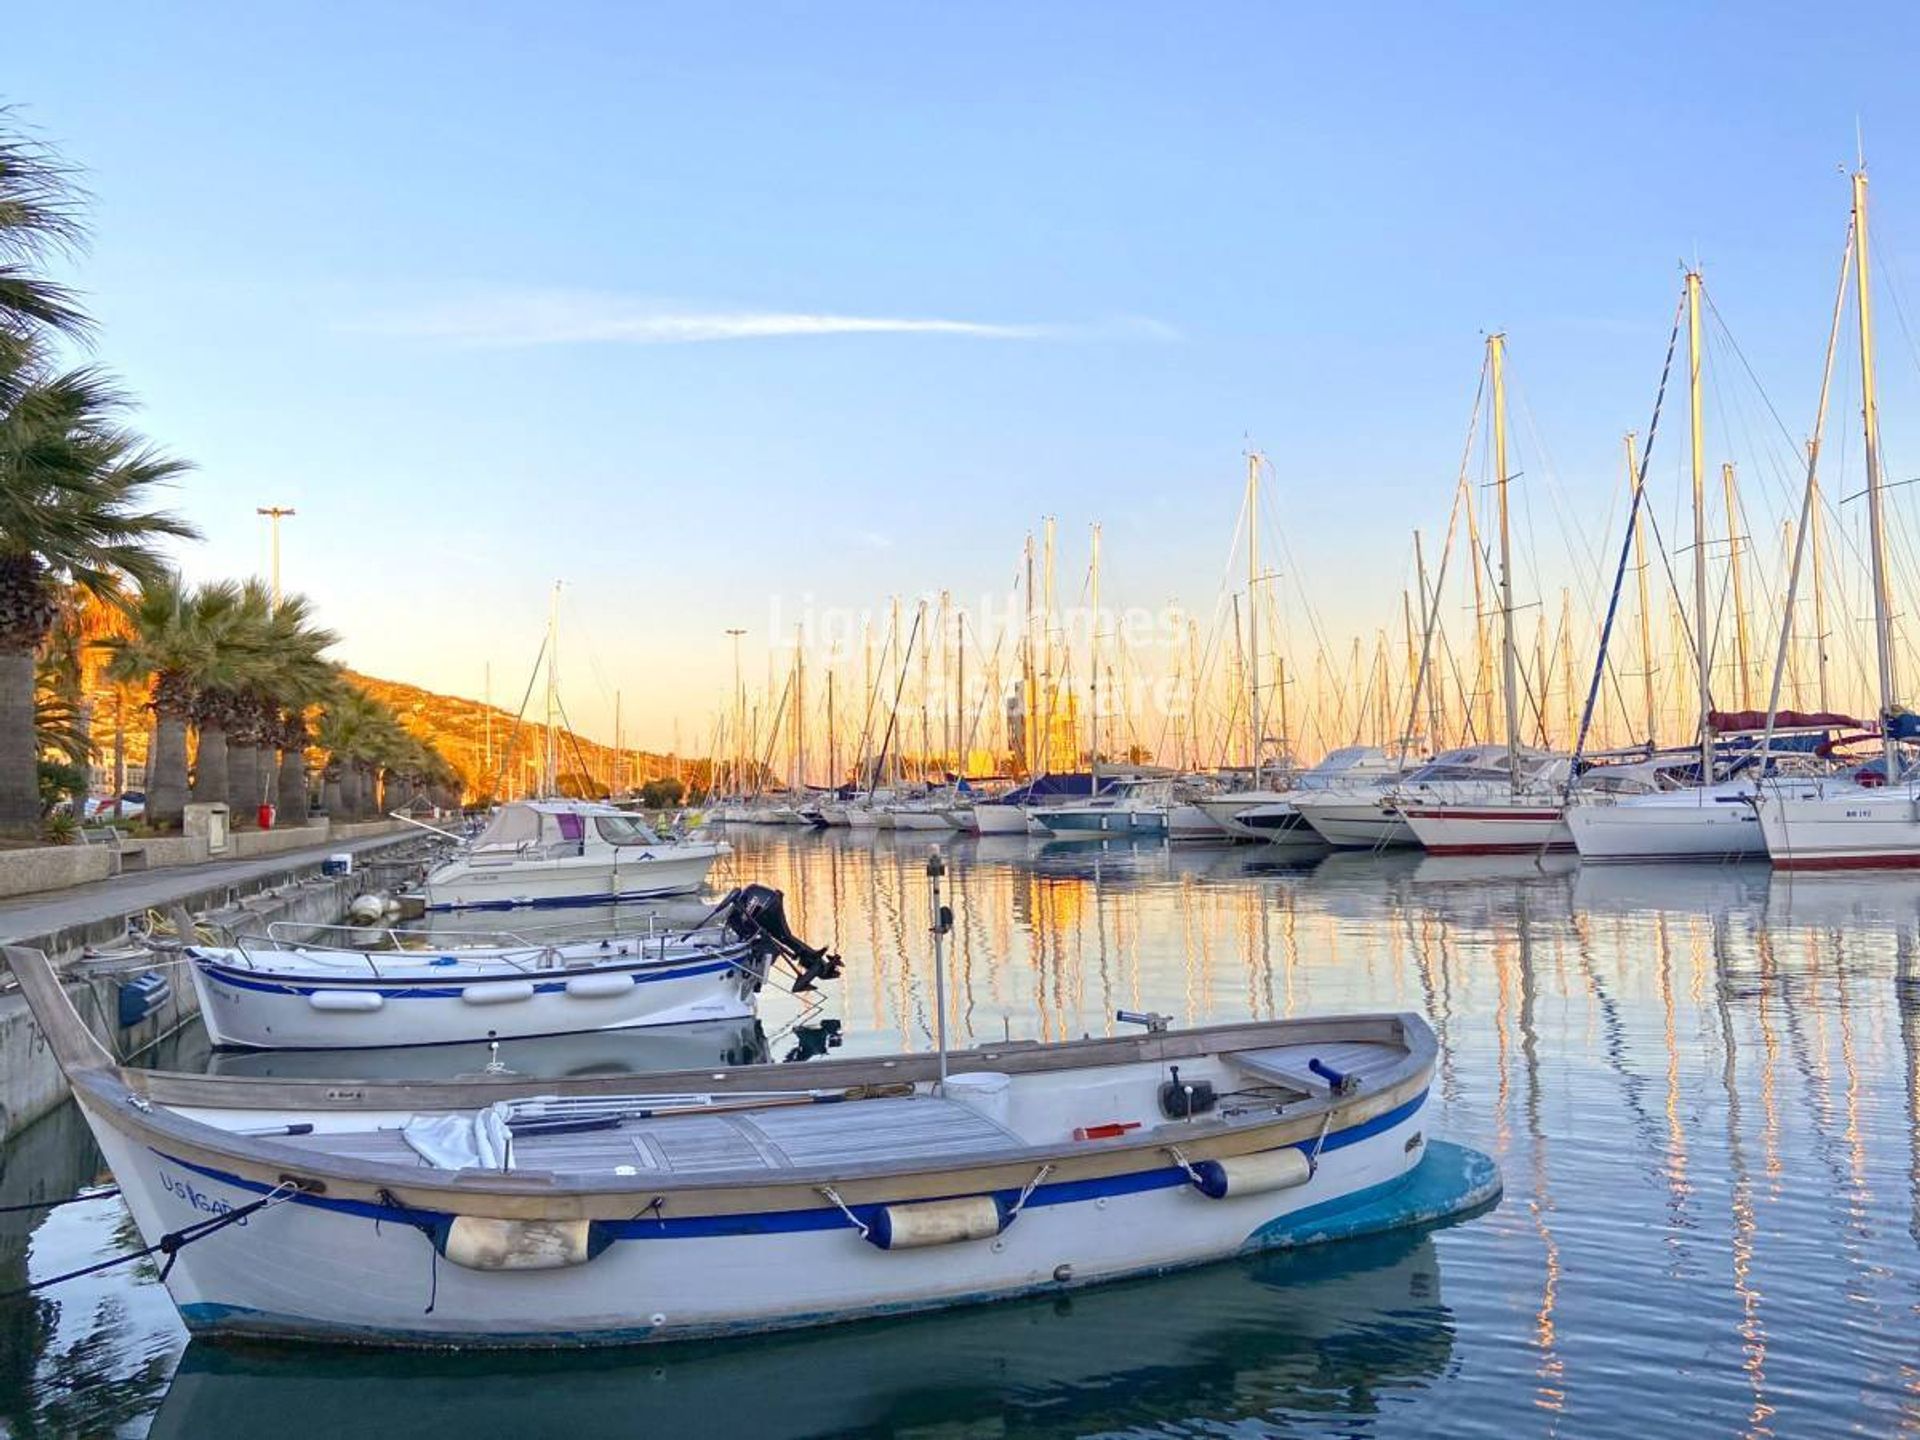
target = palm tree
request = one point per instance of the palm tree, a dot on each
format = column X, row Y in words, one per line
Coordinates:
column 299, row 678
column 162, row 652
column 228, row 660
column 72, row 496
column 73, row 482
column 40, row 209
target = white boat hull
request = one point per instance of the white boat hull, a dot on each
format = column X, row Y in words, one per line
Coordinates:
column 1357, row 825
column 1467, row 829
column 1841, row 827
column 267, row 1008
column 993, row 819
column 471, row 883
column 1707, row 830
column 353, row 1272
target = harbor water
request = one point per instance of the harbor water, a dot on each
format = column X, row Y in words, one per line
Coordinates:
column 1701, row 1085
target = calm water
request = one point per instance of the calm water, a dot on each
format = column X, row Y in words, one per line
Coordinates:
column 1701, row 1086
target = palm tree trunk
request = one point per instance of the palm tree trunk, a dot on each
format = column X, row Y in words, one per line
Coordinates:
column 243, row 781
column 19, row 759
column 167, row 772
column 291, row 801
column 210, row 766
column 333, row 793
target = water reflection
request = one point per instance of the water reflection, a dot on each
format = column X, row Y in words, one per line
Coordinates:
column 1701, row 1084
column 1286, row 1344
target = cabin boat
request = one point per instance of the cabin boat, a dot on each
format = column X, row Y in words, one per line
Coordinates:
column 1477, row 809
column 1129, row 807
column 489, row 1213
column 568, row 852
column 1367, row 815
column 1274, row 815
column 272, row 994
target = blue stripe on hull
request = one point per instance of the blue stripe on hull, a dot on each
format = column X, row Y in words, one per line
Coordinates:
column 781, row 1222
column 1449, row 1182
column 557, row 902
column 241, row 980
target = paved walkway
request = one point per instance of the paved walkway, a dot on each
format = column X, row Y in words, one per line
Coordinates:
column 32, row 916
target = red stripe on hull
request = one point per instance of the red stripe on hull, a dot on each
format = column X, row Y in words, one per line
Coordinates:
column 1490, row 817
column 1531, row 847
column 1910, row 861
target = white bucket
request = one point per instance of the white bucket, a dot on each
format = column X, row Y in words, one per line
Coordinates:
column 987, row 1091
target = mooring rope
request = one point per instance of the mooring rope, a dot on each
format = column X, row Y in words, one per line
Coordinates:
column 169, row 1244
column 106, row 1194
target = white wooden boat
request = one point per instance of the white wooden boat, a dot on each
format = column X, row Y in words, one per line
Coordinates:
column 568, row 852
column 271, row 994
column 716, row 1202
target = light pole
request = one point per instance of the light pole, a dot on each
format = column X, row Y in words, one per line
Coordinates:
column 275, row 514
column 739, row 715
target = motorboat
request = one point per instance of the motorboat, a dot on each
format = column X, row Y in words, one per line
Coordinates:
column 272, row 993
column 1127, row 807
column 1273, row 814
column 568, row 852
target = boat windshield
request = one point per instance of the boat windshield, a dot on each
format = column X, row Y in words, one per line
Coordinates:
column 624, row 830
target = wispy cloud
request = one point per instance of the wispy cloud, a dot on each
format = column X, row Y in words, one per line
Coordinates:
column 530, row 318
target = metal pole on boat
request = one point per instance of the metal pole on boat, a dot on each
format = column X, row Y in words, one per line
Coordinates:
column 942, row 919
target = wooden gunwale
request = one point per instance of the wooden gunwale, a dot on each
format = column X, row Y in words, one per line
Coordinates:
column 136, row 1103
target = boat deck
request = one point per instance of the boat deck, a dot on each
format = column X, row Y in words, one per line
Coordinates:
column 755, row 1141
column 764, row 1140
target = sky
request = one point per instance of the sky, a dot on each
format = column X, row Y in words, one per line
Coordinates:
column 724, row 313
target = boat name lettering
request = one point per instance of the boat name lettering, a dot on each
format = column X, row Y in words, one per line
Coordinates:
column 198, row 1199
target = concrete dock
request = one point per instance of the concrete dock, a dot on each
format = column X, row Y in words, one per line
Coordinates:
column 67, row 924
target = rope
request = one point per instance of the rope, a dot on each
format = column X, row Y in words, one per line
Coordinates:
column 170, row 1244
column 106, row 1194
column 834, row 1195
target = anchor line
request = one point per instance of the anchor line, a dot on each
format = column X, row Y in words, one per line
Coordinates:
column 32, row 1205
column 169, row 1244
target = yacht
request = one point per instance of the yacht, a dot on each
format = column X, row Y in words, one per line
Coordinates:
column 568, row 852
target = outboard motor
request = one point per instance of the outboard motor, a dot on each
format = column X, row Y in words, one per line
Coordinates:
column 759, row 912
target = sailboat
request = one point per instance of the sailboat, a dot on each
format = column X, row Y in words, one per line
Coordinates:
column 1524, row 814
column 1713, row 819
column 1871, row 821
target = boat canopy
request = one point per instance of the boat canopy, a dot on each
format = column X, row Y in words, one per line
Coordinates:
column 1727, row 721
column 540, row 824
column 1075, row 784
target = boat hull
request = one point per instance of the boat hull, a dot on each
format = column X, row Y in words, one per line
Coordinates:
column 994, row 819
column 468, row 884
column 261, row 1009
column 1104, row 822
column 1358, row 825
column 1489, row 829
column 1857, row 830
column 1710, row 830
column 316, row 1269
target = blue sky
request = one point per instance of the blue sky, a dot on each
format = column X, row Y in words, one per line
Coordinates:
column 455, row 281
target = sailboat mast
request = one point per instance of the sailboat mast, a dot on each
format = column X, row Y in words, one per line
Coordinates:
column 1702, row 647
column 1253, row 613
column 1734, row 559
column 553, row 685
column 1876, row 519
column 1093, row 662
column 1509, row 658
column 1817, row 525
column 1649, row 715
column 833, row 736
column 1028, row 698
